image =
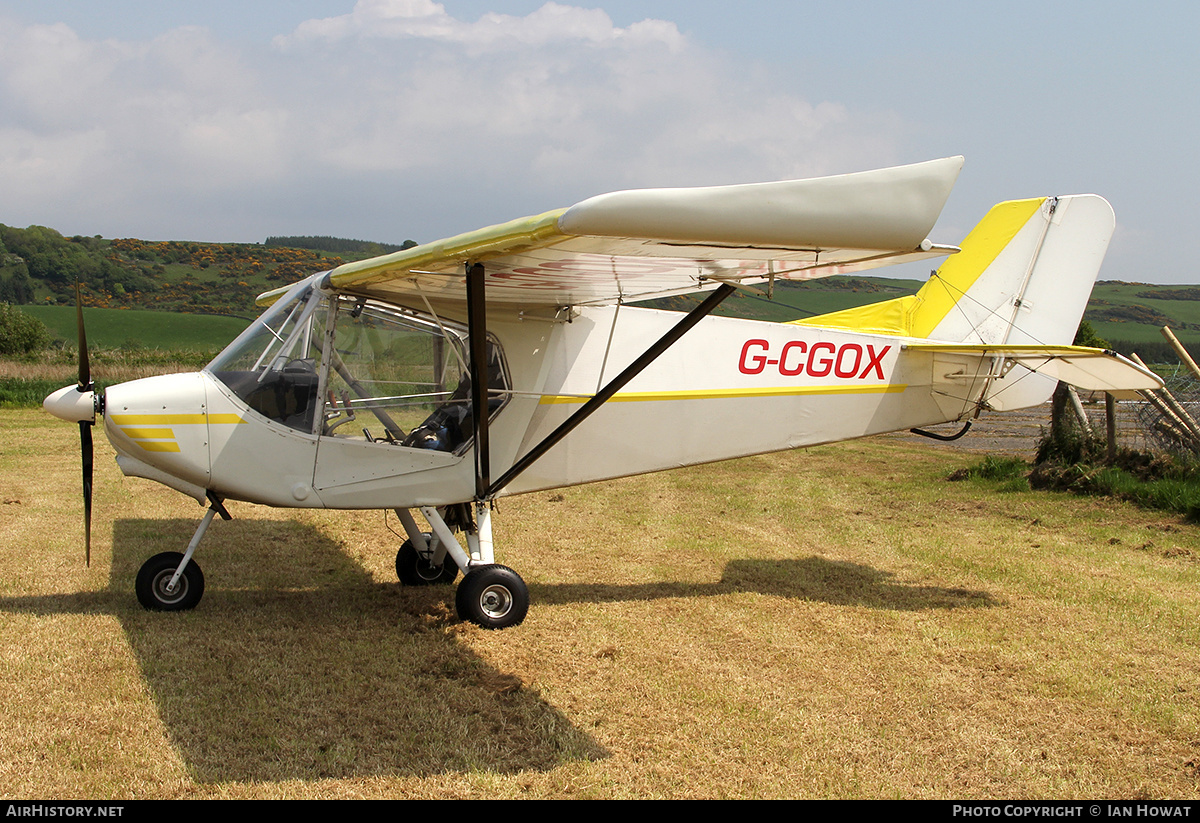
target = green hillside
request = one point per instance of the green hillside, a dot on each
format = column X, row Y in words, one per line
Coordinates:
column 39, row 266
column 164, row 294
column 1136, row 311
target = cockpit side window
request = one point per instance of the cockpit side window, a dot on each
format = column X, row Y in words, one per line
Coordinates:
column 402, row 377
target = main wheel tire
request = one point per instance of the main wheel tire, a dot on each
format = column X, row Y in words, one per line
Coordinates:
column 156, row 573
column 494, row 597
column 415, row 570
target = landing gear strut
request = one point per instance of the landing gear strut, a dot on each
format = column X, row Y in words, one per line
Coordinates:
column 173, row 582
column 490, row 595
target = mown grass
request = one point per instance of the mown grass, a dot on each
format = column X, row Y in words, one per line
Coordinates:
column 1163, row 483
column 835, row 622
column 1008, row 472
column 1180, row 495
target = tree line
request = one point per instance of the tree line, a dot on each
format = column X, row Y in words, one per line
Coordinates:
column 338, row 244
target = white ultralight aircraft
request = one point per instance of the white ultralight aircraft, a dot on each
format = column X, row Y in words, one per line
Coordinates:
column 508, row 360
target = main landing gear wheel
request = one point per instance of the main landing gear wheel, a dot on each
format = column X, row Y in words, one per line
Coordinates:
column 494, row 597
column 156, row 573
column 415, row 570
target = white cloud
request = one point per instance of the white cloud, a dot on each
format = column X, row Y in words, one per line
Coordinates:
column 424, row 19
column 396, row 119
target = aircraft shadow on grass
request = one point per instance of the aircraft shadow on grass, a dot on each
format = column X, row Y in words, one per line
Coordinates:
column 300, row 666
column 838, row 583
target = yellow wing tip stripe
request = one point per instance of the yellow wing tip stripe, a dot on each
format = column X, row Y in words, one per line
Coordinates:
column 711, row 394
column 504, row 238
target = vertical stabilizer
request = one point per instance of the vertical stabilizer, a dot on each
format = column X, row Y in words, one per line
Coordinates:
column 1023, row 276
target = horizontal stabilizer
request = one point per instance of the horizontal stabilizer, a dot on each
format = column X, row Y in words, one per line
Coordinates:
column 1082, row 367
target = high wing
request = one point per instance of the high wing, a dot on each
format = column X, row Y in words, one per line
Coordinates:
column 634, row 245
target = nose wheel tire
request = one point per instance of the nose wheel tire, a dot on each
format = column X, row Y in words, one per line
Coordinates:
column 415, row 570
column 156, row 574
column 494, row 597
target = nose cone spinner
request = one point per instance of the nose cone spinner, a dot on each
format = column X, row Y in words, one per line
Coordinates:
column 71, row 404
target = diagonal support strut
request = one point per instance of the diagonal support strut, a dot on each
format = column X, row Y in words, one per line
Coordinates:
column 616, row 384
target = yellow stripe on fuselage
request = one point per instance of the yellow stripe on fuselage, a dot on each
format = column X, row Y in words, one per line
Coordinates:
column 713, row 394
column 174, row 419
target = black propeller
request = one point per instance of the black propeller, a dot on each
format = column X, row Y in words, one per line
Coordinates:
column 85, row 429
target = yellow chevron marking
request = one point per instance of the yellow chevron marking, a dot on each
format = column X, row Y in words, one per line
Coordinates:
column 148, row 434
column 159, row 446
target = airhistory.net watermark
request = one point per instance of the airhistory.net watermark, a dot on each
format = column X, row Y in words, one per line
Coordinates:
column 61, row 810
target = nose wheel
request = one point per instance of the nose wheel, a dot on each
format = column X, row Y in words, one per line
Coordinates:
column 492, row 596
column 162, row 586
column 154, row 589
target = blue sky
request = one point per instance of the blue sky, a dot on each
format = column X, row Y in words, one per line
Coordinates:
column 396, row 119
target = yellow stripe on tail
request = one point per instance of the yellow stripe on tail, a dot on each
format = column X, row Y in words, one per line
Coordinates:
column 919, row 314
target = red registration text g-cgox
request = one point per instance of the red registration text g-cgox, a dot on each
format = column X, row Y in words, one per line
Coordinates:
column 849, row 360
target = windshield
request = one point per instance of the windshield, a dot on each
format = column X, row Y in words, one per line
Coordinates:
column 272, row 365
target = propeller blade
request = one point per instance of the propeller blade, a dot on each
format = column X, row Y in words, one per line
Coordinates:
column 85, row 428
column 85, row 443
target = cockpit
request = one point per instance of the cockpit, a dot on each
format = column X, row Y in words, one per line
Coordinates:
column 348, row 367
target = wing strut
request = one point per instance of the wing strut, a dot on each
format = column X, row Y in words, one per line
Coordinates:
column 477, row 336
column 601, row 397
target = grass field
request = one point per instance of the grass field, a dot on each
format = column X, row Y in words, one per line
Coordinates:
column 833, row 622
column 134, row 328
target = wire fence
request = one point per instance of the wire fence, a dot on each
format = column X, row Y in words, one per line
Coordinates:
column 1169, row 425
